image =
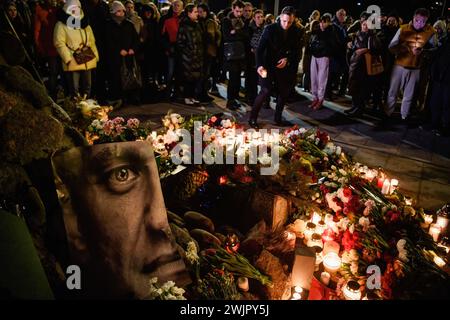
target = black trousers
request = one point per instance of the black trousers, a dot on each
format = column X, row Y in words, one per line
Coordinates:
column 234, row 83
column 440, row 104
column 282, row 81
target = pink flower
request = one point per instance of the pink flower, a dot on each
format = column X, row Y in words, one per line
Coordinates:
column 133, row 123
column 118, row 120
column 108, row 127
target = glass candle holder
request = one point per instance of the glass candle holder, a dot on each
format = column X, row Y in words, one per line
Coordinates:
column 351, row 291
column 332, row 262
column 310, row 228
column 435, row 231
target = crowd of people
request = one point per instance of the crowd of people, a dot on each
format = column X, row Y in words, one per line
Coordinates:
column 118, row 51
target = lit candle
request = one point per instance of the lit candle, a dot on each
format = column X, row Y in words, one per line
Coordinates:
column 442, row 221
column 331, row 262
column 316, row 218
column 309, row 230
column 394, row 186
column 325, row 278
column 296, row 296
column 298, row 289
column 331, row 246
column 408, row 201
column 320, row 227
column 428, row 218
column 435, row 231
column 243, row 283
column 439, row 261
column 315, row 241
column 351, row 291
column 386, row 186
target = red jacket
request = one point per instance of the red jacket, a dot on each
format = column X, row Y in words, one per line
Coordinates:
column 44, row 24
column 170, row 27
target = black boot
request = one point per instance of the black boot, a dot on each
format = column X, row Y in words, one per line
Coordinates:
column 353, row 111
column 253, row 124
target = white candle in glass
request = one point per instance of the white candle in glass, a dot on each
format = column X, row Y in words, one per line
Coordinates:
column 435, row 231
column 442, row 222
column 386, row 186
column 331, row 262
column 309, row 230
column 316, row 218
column 428, row 218
column 394, row 186
column 351, row 291
column 325, row 278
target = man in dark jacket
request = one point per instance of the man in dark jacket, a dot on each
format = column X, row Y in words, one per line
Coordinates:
column 440, row 91
column 277, row 54
column 236, row 41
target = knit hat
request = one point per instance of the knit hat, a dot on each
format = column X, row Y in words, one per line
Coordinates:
column 72, row 7
column 116, row 6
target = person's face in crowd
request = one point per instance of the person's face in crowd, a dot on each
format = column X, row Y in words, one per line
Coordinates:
column 248, row 12
column 237, row 11
column 130, row 8
column 147, row 14
column 115, row 219
column 341, row 15
column 259, row 19
column 324, row 25
column 286, row 21
column 201, row 13
column 119, row 13
column 315, row 16
column 364, row 26
column 12, row 12
column 193, row 15
column 419, row 22
column 177, row 7
column 392, row 22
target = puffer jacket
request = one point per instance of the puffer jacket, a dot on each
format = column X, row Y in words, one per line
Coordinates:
column 190, row 49
column 67, row 40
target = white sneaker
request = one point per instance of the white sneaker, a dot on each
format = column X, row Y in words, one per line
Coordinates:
column 195, row 101
column 189, row 101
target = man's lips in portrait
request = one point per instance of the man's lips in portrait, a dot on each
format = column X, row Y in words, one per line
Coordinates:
column 165, row 267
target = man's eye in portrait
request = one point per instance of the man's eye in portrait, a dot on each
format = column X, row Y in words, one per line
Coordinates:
column 121, row 179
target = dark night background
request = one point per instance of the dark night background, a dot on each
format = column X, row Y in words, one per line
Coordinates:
column 404, row 9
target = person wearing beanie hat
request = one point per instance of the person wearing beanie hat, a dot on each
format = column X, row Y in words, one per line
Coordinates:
column 73, row 32
column 117, row 6
column 121, row 44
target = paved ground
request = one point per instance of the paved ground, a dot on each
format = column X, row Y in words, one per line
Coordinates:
column 418, row 159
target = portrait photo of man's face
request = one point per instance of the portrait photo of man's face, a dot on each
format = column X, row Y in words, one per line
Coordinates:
column 115, row 219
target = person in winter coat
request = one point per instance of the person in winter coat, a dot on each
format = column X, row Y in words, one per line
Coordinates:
column 440, row 90
column 121, row 44
column 190, row 53
column 360, row 83
column 132, row 15
column 235, row 36
column 277, row 58
column 313, row 27
column 169, row 33
column 323, row 45
column 73, row 32
column 151, row 46
column 256, row 27
column 213, row 38
column 44, row 23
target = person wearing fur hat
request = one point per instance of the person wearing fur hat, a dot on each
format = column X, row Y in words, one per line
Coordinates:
column 73, row 32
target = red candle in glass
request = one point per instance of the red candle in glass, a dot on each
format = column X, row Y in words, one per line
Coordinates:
column 328, row 235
